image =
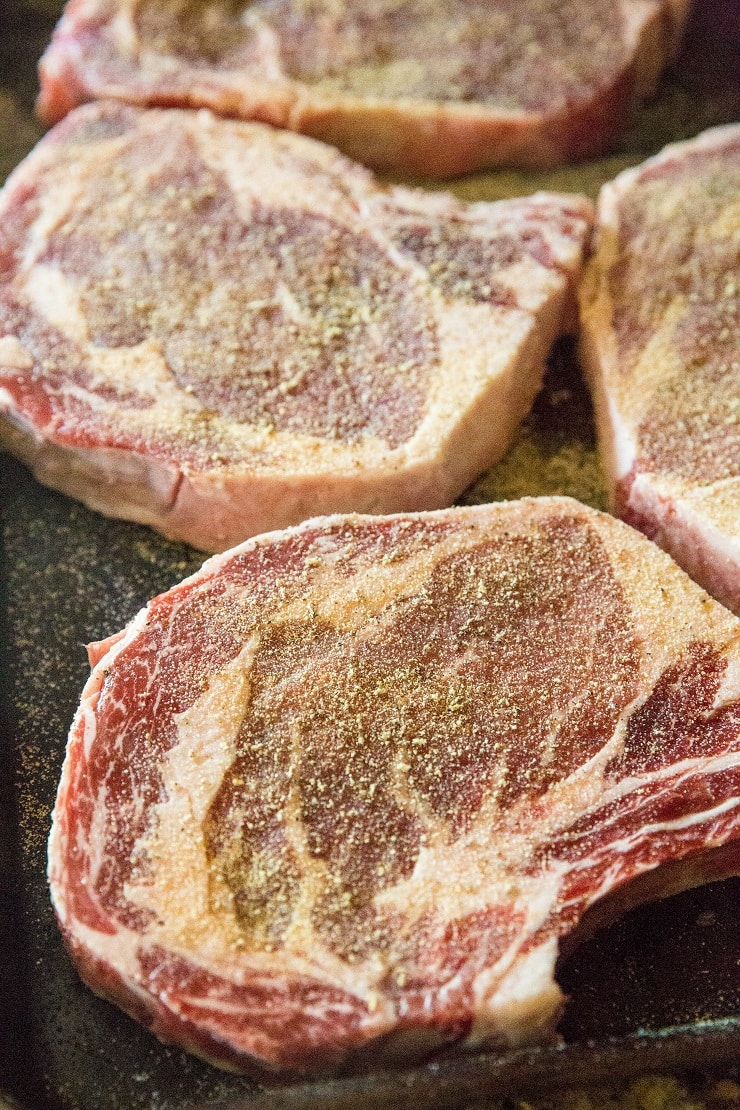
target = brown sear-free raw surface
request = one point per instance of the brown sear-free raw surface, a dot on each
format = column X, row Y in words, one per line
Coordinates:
column 417, row 86
column 661, row 315
column 217, row 328
column 339, row 796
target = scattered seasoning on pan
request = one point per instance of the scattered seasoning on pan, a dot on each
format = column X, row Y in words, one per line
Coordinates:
column 555, row 449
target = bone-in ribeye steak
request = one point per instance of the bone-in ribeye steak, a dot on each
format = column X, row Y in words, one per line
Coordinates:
column 418, row 85
column 661, row 323
column 341, row 793
column 218, row 328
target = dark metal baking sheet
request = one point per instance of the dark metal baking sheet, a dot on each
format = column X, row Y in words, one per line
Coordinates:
column 658, row 990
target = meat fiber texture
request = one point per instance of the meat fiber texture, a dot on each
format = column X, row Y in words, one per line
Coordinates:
column 416, row 86
column 217, row 328
column 660, row 310
column 339, row 797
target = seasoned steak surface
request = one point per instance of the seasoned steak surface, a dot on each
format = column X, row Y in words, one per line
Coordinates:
column 347, row 788
column 217, row 328
column 412, row 85
column 660, row 313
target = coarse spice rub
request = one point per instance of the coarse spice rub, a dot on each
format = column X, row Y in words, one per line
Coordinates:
column 217, row 328
column 340, row 796
column 660, row 308
column 418, row 86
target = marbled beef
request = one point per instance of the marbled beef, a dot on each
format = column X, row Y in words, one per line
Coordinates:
column 218, row 328
column 414, row 85
column 340, row 795
column 661, row 332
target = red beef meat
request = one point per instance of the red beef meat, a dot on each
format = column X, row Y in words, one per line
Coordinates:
column 661, row 323
column 417, row 86
column 341, row 795
column 217, row 328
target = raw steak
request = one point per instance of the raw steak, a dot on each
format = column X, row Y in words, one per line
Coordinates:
column 661, row 323
column 217, row 328
column 419, row 86
column 338, row 796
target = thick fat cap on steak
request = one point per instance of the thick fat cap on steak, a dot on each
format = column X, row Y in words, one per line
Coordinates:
column 217, row 328
column 660, row 308
column 340, row 795
column 420, row 86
